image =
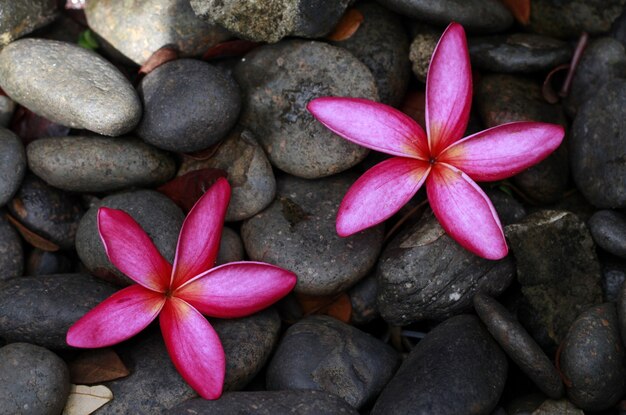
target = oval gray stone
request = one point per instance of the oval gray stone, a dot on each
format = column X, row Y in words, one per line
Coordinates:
column 278, row 81
column 12, row 164
column 33, row 380
column 158, row 216
column 608, row 229
column 297, row 232
column 21, row 17
column 322, row 353
column 249, row 173
column 138, row 28
column 455, row 367
column 83, row 90
column 425, row 275
column 98, row 164
column 41, row 309
column 231, row 247
column 11, row 253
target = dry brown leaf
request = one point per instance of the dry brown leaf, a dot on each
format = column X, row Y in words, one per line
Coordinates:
column 229, row 49
column 338, row 306
column 347, row 26
column 85, row 400
column 158, row 58
column 31, row 237
column 520, row 10
column 98, row 365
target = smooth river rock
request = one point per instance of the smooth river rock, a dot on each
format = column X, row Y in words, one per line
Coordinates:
column 608, row 229
column 11, row 253
column 98, row 164
column 12, row 164
column 21, row 17
column 83, row 91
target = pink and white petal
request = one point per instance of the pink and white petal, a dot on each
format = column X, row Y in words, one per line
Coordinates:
column 503, row 151
column 194, row 347
column 131, row 250
column 372, row 125
column 237, row 289
column 380, row 193
column 465, row 212
column 448, row 90
column 117, row 318
column 200, row 235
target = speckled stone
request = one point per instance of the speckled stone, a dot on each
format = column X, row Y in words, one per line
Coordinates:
column 157, row 215
column 83, row 91
column 560, row 407
column 7, row 106
column 12, row 164
column 11, row 254
column 138, row 28
column 231, row 247
column 608, row 229
column 297, row 232
column 597, row 151
column 558, row 270
column 278, row 81
column 519, row 345
column 271, row 20
column 33, row 380
column 307, row 402
column 592, row 359
column 381, row 43
column 422, row 48
column 98, row 164
column 425, row 275
column 41, row 309
column 47, row 211
column 455, row 367
column 21, row 17
column 189, row 105
column 322, row 353
column 249, row 173
column 518, row 52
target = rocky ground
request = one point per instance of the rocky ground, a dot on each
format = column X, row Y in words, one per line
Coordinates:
column 398, row 319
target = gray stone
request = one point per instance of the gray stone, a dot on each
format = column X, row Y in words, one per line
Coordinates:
column 138, row 28
column 592, row 359
column 189, row 105
column 49, row 212
column 608, row 229
column 297, row 232
column 381, row 43
column 363, row 300
column 22, row 17
column 157, row 215
column 597, row 151
column 567, row 19
column 12, row 164
column 508, row 208
column 41, row 262
column 34, row 380
column 519, row 345
column 474, row 15
column 7, row 106
column 278, row 81
column 231, row 247
column 613, row 277
column 11, row 254
column 558, row 270
column 518, row 52
column 425, row 275
column 307, row 402
column 83, row 90
column 41, row 309
column 98, row 164
column 249, row 173
column 560, row 407
column 271, row 20
column 322, row 353
column 421, row 50
column 455, row 367
column 604, row 59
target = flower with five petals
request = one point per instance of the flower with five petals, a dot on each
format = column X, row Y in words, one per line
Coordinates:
column 178, row 294
column 448, row 164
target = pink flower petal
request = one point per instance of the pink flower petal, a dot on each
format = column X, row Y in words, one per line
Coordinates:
column 372, row 125
column 448, row 90
column 503, row 151
column 465, row 212
column 199, row 238
column 237, row 289
column 194, row 347
column 117, row 318
column 131, row 250
column 380, row 193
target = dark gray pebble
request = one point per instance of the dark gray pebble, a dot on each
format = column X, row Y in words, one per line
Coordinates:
column 21, row 17
column 12, row 164
column 11, row 253
column 509, row 209
column 613, row 277
column 608, row 229
column 231, row 247
column 363, row 300
column 46, row 263
column 7, row 106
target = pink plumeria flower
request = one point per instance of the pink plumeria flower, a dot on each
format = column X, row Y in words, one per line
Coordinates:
column 447, row 164
column 179, row 294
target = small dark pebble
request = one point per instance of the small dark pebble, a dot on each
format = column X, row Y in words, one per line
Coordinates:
column 608, row 229
column 11, row 253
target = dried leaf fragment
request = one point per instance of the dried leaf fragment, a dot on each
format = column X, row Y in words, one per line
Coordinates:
column 96, row 366
column 520, row 10
column 347, row 26
column 185, row 190
column 158, row 58
column 229, row 49
column 338, row 306
column 85, row 400
column 31, row 237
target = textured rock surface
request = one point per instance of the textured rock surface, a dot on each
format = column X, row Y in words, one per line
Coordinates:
column 12, row 164
column 21, row 17
column 608, row 229
column 11, row 254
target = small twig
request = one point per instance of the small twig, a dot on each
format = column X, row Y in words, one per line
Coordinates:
column 578, row 53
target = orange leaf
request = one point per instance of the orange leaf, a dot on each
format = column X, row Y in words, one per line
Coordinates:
column 347, row 26
column 98, row 365
column 337, row 306
column 158, row 58
column 31, row 237
column 520, row 10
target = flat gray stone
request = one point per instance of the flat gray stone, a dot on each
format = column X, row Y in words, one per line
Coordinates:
column 83, row 91
column 22, row 17
column 12, row 164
